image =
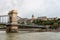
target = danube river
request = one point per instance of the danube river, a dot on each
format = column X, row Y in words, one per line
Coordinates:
column 26, row 35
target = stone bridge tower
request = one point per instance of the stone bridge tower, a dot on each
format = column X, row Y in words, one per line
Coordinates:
column 12, row 24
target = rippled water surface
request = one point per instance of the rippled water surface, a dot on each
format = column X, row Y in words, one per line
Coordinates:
column 22, row 35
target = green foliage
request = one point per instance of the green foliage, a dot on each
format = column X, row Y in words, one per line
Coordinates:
column 2, row 26
column 41, row 22
column 55, row 25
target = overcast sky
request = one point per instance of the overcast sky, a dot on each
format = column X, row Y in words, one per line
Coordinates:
column 25, row 8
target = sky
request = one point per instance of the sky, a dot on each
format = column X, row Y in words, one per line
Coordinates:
column 27, row 8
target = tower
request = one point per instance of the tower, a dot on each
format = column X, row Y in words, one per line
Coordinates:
column 33, row 17
column 12, row 26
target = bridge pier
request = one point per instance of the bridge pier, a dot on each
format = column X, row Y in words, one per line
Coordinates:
column 12, row 29
column 12, row 26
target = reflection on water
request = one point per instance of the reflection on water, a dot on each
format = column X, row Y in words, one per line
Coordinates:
column 11, row 36
column 30, row 36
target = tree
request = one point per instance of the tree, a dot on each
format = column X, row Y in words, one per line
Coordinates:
column 55, row 25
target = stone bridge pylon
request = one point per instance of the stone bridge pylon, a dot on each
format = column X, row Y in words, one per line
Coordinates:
column 12, row 23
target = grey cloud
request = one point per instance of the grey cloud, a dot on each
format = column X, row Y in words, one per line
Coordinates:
column 26, row 8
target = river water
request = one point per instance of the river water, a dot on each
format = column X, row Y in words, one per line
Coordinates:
column 22, row 35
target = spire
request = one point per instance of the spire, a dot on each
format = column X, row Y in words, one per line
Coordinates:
column 33, row 17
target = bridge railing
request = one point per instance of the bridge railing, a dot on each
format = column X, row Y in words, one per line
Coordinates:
column 4, row 19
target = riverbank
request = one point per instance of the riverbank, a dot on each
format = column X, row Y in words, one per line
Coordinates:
column 35, row 30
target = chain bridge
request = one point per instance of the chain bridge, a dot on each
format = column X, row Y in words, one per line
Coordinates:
column 11, row 21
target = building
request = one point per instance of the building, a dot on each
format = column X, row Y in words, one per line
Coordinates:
column 55, row 18
column 44, row 18
column 26, row 20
